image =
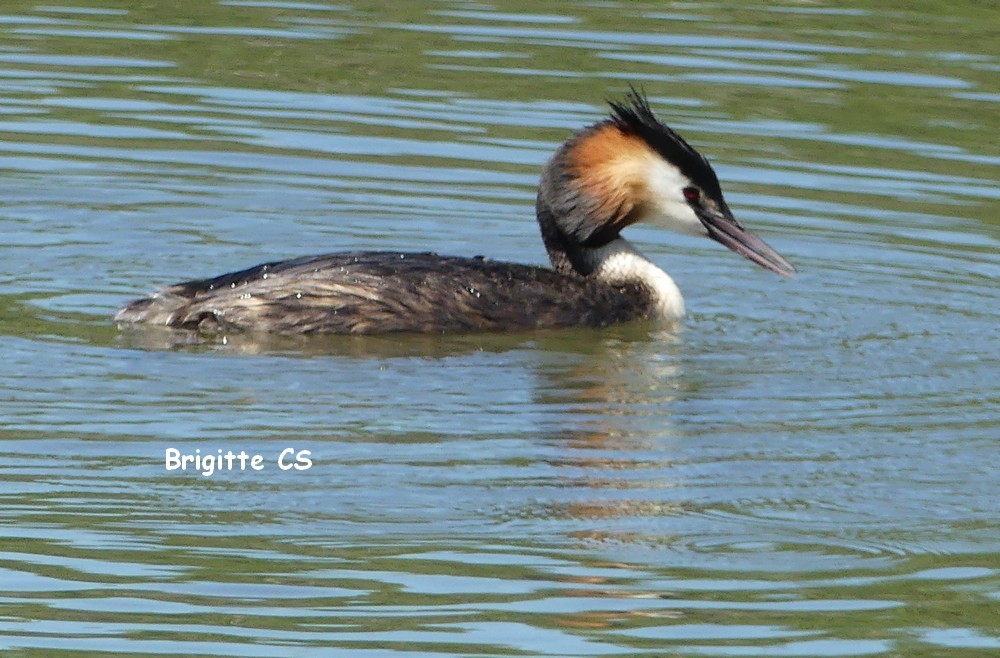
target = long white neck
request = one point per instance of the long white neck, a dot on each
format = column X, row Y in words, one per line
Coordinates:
column 619, row 263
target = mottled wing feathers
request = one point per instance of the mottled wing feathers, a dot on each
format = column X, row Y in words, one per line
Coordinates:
column 381, row 292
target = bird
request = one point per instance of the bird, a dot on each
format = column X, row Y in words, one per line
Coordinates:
column 626, row 169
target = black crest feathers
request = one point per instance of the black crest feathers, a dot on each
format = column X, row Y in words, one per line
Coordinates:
column 634, row 116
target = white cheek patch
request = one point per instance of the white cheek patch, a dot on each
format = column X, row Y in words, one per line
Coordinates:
column 667, row 207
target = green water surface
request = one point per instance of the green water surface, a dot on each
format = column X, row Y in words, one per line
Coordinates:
column 804, row 468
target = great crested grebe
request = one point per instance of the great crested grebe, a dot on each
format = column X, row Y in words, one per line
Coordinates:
column 628, row 168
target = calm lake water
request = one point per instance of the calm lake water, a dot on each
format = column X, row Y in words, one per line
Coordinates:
column 805, row 468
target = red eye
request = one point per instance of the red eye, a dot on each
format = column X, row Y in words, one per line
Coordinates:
column 692, row 194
